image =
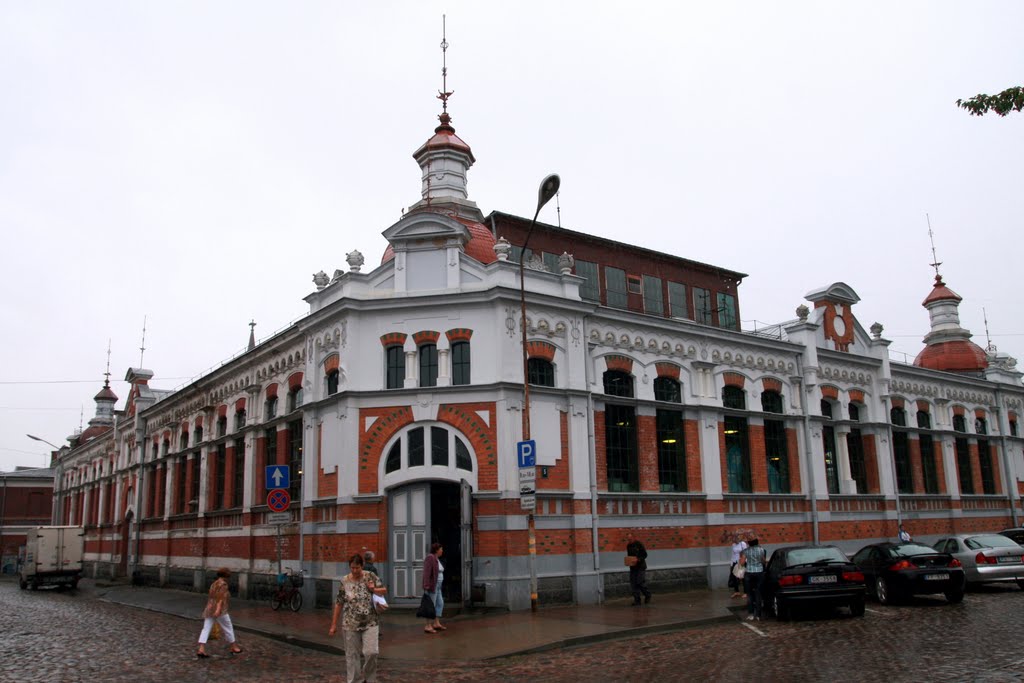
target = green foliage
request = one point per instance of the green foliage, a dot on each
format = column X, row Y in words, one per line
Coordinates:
column 1011, row 99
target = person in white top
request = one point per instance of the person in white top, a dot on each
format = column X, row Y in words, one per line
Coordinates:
column 904, row 535
column 738, row 546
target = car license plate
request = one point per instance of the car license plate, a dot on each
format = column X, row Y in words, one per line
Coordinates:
column 1009, row 558
column 829, row 578
column 936, row 577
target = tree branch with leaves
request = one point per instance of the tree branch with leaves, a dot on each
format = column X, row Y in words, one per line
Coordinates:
column 1011, row 99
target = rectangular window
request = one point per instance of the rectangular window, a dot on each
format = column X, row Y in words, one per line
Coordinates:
column 182, row 491
column 737, row 454
column 727, row 311
column 270, row 444
column 777, row 452
column 193, row 496
column 428, row 365
column 654, row 303
column 988, row 482
column 151, row 492
column 633, row 285
column 620, row 448
column 963, row 467
column 239, row 483
column 671, row 451
column 615, row 285
column 677, row 300
column 222, row 426
column 295, row 460
column 928, row 470
column 828, row 442
column 439, row 446
column 901, row 454
column 516, row 256
column 239, row 420
column 550, row 261
column 220, row 467
column 702, row 305
column 416, row 448
column 858, row 468
column 270, row 408
column 460, row 363
column 591, row 289
column 395, row 367
column 183, row 441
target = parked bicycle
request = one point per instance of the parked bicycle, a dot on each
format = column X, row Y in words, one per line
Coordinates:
column 288, row 585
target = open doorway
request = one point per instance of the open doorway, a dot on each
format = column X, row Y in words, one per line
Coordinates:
column 424, row 513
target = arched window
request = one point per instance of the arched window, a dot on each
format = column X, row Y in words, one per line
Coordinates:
column 270, row 408
column 898, row 417
column 667, row 389
column 618, row 383
column 901, row 450
column 428, row 365
column 295, row 399
column 540, row 372
column 332, row 382
column 771, row 402
column 395, row 358
column 410, row 448
column 734, row 397
column 929, row 469
column 460, row 363
column 239, row 419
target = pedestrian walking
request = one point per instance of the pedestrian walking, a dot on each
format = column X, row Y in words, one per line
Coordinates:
column 216, row 611
column 904, row 535
column 753, row 559
column 637, row 569
column 354, row 605
column 433, row 579
column 738, row 546
column 368, row 565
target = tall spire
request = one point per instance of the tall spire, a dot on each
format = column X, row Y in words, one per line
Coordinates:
column 445, row 159
column 935, row 259
column 252, row 335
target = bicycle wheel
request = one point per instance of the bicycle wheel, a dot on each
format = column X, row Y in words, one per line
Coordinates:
column 277, row 600
column 296, row 602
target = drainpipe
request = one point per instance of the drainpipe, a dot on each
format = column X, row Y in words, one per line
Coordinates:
column 808, row 450
column 592, row 457
column 1006, row 460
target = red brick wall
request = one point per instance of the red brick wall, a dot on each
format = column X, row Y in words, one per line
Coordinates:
column 996, row 474
column 647, row 445
column 371, row 442
column 600, row 451
column 793, row 455
column 694, row 474
column 916, row 469
column 758, row 459
column 871, row 462
column 975, row 469
column 326, row 483
column 483, row 436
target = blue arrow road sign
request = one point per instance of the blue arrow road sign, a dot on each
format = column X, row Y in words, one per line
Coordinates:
column 277, row 477
column 527, row 453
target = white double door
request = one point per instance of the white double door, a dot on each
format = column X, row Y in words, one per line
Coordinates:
column 412, row 532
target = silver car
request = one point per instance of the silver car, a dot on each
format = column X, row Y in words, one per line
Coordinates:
column 986, row 558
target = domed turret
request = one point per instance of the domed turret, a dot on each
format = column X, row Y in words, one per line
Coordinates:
column 948, row 346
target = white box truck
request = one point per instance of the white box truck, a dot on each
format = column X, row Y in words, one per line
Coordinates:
column 53, row 557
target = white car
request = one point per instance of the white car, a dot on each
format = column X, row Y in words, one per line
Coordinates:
column 986, row 558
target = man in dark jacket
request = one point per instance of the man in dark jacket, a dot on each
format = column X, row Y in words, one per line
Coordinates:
column 638, row 571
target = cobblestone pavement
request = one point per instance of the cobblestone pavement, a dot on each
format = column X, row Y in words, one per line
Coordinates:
column 71, row 637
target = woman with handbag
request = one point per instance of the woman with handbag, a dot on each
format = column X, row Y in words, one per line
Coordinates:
column 736, row 576
column 359, row 623
column 433, row 578
column 216, row 612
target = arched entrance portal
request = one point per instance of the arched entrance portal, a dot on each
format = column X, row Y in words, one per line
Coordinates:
column 423, row 513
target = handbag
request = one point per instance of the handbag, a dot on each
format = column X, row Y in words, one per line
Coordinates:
column 426, row 610
column 630, row 560
column 215, row 631
column 739, row 571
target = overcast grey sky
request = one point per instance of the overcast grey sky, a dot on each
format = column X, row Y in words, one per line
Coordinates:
column 196, row 162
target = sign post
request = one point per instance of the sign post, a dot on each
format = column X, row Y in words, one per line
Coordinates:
column 278, row 501
column 526, row 454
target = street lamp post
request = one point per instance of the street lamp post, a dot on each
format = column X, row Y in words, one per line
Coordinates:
column 36, row 438
column 548, row 188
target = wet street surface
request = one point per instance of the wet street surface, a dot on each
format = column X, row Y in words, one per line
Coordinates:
column 73, row 637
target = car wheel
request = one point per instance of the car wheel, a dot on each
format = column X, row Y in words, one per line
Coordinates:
column 780, row 609
column 882, row 591
column 955, row 595
column 857, row 608
column 1020, row 582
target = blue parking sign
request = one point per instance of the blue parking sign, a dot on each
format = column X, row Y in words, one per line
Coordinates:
column 277, row 477
column 526, row 452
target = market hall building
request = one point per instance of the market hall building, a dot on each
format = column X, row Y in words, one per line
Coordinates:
column 397, row 404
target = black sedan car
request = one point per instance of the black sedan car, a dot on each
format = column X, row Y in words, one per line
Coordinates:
column 812, row 576
column 894, row 571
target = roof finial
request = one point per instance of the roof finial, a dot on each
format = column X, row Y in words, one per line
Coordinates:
column 443, row 94
column 142, row 349
column 252, row 334
column 988, row 339
column 935, row 259
column 106, row 382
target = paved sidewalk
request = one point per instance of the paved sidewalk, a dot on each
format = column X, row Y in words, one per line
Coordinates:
column 469, row 635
